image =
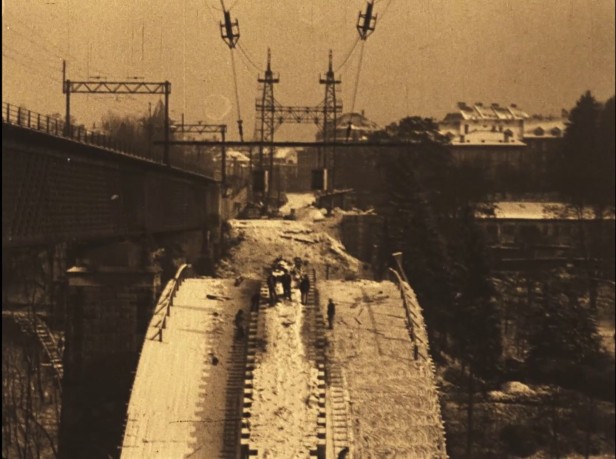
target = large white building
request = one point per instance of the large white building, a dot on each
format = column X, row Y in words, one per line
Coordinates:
column 480, row 124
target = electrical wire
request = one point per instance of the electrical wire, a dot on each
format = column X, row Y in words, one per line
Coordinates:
column 33, row 64
column 237, row 95
column 32, row 68
column 59, row 53
column 361, row 57
column 245, row 53
column 40, row 61
column 244, row 60
column 348, row 55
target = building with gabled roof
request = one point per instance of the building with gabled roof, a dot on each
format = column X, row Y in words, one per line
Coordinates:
column 353, row 127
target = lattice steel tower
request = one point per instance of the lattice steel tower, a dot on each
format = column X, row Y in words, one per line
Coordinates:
column 331, row 108
column 265, row 124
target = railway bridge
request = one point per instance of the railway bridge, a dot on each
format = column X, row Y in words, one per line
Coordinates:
column 101, row 215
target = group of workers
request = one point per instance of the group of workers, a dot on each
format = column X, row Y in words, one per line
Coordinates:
column 284, row 273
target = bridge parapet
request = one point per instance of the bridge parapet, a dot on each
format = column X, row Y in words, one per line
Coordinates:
column 55, row 189
column 421, row 350
column 25, row 118
column 163, row 308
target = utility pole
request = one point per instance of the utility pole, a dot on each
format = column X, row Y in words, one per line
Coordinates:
column 266, row 123
column 271, row 114
column 331, row 108
column 119, row 87
column 230, row 34
column 167, row 90
column 65, row 89
column 223, row 165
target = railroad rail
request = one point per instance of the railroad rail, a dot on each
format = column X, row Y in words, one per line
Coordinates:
column 313, row 333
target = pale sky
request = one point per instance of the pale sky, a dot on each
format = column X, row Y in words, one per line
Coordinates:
column 424, row 57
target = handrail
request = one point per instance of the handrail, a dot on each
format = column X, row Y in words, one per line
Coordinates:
column 23, row 117
column 409, row 314
column 165, row 302
column 20, row 116
column 407, row 301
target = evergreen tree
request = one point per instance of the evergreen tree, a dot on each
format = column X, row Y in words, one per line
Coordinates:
column 476, row 315
column 412, row 229
column 607, row 153
column 564, row 334
column 585, row 166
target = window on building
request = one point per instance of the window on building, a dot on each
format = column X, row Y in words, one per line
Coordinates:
column 556, row 132
column 539, row 131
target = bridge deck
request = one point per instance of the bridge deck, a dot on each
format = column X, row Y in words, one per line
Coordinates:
column 177, row 406
column 394, row 410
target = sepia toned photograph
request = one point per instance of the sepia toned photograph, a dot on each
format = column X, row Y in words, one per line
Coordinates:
column 308, row 229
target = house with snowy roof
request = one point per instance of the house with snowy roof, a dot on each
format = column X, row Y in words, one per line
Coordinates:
column 353, row 127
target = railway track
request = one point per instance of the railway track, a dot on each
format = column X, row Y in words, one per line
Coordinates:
column 261, row 333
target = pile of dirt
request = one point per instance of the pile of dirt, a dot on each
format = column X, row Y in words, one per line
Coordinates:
column 253, row 244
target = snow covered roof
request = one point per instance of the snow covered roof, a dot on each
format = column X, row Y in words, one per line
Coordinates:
column 358, row 121
column 479, row 111
column 232, row 155
column 286, row 154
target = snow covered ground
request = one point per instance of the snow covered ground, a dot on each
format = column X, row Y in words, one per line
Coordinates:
column 297, row 201
column 177, row 405
column 285, row 405
column 394, row 407
column 177, row 408
column 260, row 241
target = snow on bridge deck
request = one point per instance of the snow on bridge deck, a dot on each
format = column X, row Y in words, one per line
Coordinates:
column 393, row 404
column 177, row 405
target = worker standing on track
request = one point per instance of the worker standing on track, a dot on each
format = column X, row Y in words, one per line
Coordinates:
column 331, row 313
column 304, row 288
column 286, row 284
column 271, row 286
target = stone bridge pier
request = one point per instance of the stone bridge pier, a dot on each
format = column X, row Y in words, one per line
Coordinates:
column 111, row 293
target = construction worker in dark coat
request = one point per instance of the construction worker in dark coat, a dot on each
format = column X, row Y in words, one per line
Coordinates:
column 331, row 313
column 286, row 284
column 271, row 286
column 304, row 288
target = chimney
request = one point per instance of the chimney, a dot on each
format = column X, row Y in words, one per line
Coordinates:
column 514, row 106
column 362, row 114
column 564, row 113
column 494, row 104
column 462, row 105
column 479, row 104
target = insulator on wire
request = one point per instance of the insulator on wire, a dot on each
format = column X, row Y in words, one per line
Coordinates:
column 230, row 30
column 366, row 22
